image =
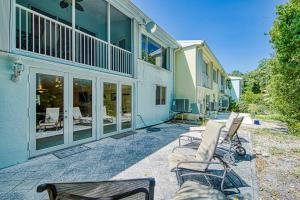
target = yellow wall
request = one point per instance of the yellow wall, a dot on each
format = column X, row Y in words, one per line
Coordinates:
column 187, row 67
column 185, row 74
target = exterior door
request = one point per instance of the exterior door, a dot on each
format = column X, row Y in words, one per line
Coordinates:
column 126, row 106
column 82, row 107
column 109, row 110
column 48, row 111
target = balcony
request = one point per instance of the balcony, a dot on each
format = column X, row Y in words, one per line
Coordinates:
column 93, row 43
column 222, row 88
column 206, row 81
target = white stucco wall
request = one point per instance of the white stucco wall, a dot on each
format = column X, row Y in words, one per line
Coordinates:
column 148, row 76
column 14, row 124
column 4, row 24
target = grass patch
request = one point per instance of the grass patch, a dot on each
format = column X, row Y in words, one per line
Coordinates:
column 271, row 117
column 296, row 151
column 276, row 135
column 277, row 151
column 297, row 171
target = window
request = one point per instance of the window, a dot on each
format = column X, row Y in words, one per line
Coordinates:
column 153, row 52
column 205, row 69
column 160, row 95
column 215, row 76
column 120, row 29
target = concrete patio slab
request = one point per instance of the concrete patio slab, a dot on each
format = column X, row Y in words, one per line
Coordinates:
column 140, row 155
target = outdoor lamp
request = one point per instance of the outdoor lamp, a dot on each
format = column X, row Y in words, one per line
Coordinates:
column 17, row 68
column 150, row 26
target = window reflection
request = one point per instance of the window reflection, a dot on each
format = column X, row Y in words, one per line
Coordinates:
column 49, row 111
column 126, row 106
column 109, row 107
column 82, row 109
column 153, row 52
column 120, row 29
column 160, row 95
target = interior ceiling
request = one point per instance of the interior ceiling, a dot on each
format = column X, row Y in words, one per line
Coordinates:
column 94, row 7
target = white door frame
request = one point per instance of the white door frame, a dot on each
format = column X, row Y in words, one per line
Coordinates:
column 32, row 110
column 94, row 105
column 120, row 106
column 102, row 135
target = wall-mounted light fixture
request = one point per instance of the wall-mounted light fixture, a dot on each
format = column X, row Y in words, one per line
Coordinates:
column 150, row 27
column 17, row 68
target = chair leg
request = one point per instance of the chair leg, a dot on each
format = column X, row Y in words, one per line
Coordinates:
column 179, row 177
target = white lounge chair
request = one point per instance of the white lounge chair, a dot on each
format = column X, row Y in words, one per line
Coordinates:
column 199, row 162
column 51, row 119
column 195, row 133
column 78, row 118
column 226, row 137
column 107, row 117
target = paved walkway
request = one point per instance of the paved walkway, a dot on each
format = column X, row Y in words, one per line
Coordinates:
column 139, row 155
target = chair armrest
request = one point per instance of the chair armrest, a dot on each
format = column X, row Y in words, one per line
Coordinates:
column 222, row 163
column 190, row 137
column 184, row 147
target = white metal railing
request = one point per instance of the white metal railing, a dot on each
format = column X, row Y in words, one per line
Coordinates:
column 205, row 81
column 40, row 34
column 90, row 50
column 121, row 60
column 222, row 88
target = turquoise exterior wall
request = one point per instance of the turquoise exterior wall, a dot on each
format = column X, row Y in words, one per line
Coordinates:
column 13, row 115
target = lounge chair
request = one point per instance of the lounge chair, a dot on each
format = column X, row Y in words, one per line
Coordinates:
column 106, row 117
column 51, row 119
column 134, row 189
column 226, row 137
column 199, row 162
column 234, row 142
column 78, row 118
column 197, row 131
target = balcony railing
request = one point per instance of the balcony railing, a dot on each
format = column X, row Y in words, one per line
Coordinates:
column 206, row 81
column 222, row 88
column 43, row 35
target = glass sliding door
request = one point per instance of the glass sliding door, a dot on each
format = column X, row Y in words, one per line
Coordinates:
column 109, row 110
column 49, row 111
column 126, row 107
column 82, row 109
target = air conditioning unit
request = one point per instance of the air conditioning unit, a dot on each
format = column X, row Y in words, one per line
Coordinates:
column 180, row 105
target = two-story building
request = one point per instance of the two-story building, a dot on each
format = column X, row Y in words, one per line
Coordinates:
column 199, row 76
column 76, row 71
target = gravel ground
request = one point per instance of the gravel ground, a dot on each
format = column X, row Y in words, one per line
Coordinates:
column 277, row 160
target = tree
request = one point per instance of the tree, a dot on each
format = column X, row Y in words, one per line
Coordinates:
column 285, row 82
column 236, row 73
column 257, row 80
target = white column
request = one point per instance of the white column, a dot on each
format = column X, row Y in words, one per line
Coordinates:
column 108, row 36
column 135, row 41
column 73, row 30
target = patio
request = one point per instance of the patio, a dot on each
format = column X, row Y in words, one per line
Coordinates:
column 138, row 155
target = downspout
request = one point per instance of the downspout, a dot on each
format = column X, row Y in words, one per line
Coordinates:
column 200, row 46
column 174, row 69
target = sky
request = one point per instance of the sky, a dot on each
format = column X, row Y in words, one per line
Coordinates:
column 235, row 30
